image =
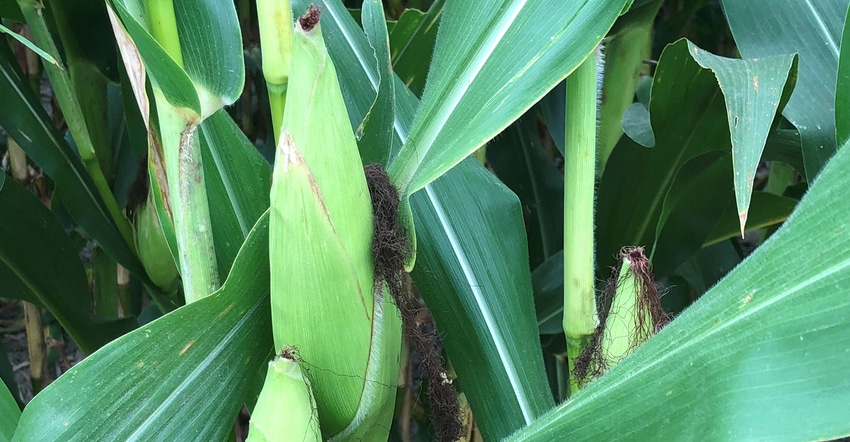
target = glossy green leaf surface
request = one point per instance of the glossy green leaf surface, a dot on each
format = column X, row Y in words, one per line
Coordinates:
column 813, row 30
column 238, row 180
column 548, row 283
column 181, row 377
column 41, row 257
column 375, row 134
column 784, row 145
column 213, row 71
column 688, row 215
column 412, row 43
column 754, row 91
column 9, row 413
column 686, row 126
column 492, row 61
column 842, row 87
column 712, row 115
column 768, row 344
column 28, row 124
column 521, row 163
column 478, row 288
column 636, row 125
column 484, row 380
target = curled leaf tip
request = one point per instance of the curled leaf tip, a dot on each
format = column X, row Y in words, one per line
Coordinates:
column 310, row 19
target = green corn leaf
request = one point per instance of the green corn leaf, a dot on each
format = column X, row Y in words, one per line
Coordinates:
column 29, row 125
column 181, row 377
column 688, row 215
column 238, row 180
column 685, row 127
column 212, row 71
column 492, row 61
column 478, row 288
column 375, row 135
column 766, row 210
column 41, row 259
column 412, row 42
column 320, row 244
column 764, row 28
column 754, row 90
column 768, row 343
column 9, row 414
column 32, row 46
column 521, row 163
column 842, row 87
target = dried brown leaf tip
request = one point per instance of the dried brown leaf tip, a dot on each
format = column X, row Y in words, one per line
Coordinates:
column 310, row 19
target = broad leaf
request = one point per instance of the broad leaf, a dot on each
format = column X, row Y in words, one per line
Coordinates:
column 766, row 210
column 41, row 258
column 688, row 216
column 685, row 126
column 492, row 61
column 181, row 377
column 478, row 288
column 768, row 345
column 754, row 90
column 812, row 29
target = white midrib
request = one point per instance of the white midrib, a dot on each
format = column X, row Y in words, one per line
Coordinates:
column 827, row 35
column 489, row 319
column 466, row 267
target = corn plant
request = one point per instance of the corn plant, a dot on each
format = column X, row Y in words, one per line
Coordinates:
column 273, row 220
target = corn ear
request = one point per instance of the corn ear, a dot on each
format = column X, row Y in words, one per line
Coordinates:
column 631, row 313
column 154, row 253
column 320, row 251
column 286, row 408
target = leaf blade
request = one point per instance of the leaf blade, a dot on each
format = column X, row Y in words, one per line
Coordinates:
column 776, row 314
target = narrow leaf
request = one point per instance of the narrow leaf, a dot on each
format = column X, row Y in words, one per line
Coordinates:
column 842, row 88
column 412, row 42
column 42, row 258
column 375, row 134
column 32, row 46
column 492, row 61
column 29, row 125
